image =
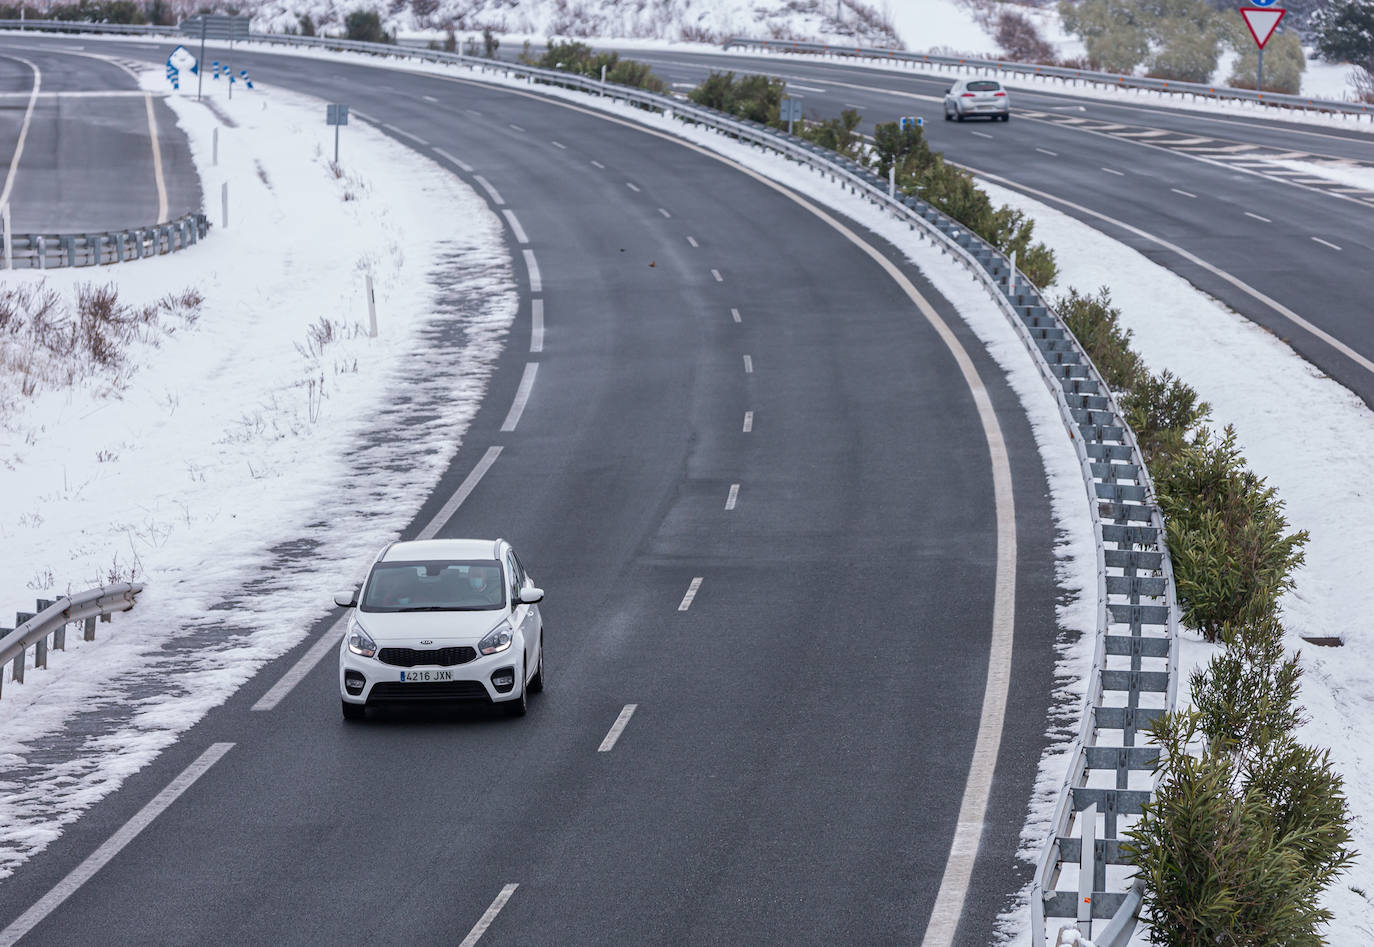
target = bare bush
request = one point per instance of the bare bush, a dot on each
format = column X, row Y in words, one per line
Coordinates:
column 691, row 33
column 1020, row 40
column 1362, row 81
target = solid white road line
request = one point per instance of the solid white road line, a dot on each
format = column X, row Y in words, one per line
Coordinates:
column 1326, row 243
column 23, row 131
column 1273, row 304
column 692, row 588
column 536, row 281
column 558, row 144
column 515, row 126
column 598, row 164
column 537, row 325
column 851, row 105
column 515, row 227
column 327, row 642
column 734, row 314
column 692, row 240
column 405, row 134
column 429, row 98
column 617, row 728
column 733, row 496
column 522, row 395
column 632, row 186
column 495, row 194
column 113, row 845
column 157, row 162
column 716, row 273
column 458, row 161
column 982, row 134
column 748, row 421
column 1120, row 174
column 363, row 115
column 748, row 365
column 666, row 215
column 484, row 922
column 464, row 490
column 1184, row 193
column 1046, row 151
column 473, row 112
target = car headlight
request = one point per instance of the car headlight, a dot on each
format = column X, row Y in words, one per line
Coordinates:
column 497, row 640
column 359, row 641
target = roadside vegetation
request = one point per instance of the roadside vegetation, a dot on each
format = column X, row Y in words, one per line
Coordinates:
column 582, row 60
column 1248, row 826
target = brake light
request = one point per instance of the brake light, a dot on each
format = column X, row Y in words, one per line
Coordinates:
column 999, row 93
column 966, row 95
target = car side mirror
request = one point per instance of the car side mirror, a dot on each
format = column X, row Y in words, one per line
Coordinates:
column 346, row 599
column 531, row 596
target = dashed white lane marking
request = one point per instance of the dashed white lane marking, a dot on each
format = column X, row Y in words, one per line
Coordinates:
column 515, row 226
column 429, row 98
column 1120, row 174
column 734, row 314
column 716, row 273
column 851, row 105
column 1326, row 243
column 23, row 131
column 617, row 728
column 405, row 134
column 464, row 490
column 732, row 497
column 536, row 281
column 982, row 134
column 748, row 365
column 666, row 215
column 558, row 144
column 515, row 126
column 1046, row 151
column 157, row 162
column 1258, row 217
column 598, row 164
column 113, row 845
column 804, row 88
column 473, row 112
column 692, row 588
column 537, row 325
column 495, row 194
column 485, row 920
column 522, row 396
column 458, row 161
column 1184, row 193
column 692, row 240
column 748, row 421
column 632, row 186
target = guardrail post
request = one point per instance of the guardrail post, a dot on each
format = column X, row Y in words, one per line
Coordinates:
column 17, row 674
column 1086, row 859
column 9, row 249
column 42, row 252
column 88, row 634
column 40, row 652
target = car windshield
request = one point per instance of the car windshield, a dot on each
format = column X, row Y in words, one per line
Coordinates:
column 983, row 85
column 439, row 586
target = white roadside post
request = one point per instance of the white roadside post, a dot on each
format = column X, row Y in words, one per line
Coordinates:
column 224, row 205
column 892, row 182
column 371, row 310
column 603, row 79
column 1011, row 276
column 214, row 147
column 9, row 251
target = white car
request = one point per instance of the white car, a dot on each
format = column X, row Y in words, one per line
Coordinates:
column 977, row 97
column 442, row 620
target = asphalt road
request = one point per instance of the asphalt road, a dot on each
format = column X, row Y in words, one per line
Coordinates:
column 86, row 163
column 795, row 766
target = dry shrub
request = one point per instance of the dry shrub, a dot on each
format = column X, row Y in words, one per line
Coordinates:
column 1019, row 39
column 1362, row 81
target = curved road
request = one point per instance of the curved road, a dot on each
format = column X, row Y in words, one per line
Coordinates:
column 794, row 769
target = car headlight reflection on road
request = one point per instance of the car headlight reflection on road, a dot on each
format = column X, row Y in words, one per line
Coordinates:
column 359, row 642
column 496, row 640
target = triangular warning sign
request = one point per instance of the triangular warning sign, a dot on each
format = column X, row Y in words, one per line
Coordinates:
column 1262, row 22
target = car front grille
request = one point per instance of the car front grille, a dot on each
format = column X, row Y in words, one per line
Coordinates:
column 413, row 657
column 442, row 690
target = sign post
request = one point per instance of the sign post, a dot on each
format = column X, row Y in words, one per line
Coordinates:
column 790, row 109
column 207, row 26
column 336, row 115
column 1262, row 19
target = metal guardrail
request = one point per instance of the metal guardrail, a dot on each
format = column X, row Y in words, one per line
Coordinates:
column 46, row 251
column 1134, row 674
column 51, row 621
column 1111, row 79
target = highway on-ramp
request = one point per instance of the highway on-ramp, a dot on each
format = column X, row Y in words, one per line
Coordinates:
column 759, row 489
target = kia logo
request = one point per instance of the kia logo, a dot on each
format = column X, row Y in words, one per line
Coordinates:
column 426, row 642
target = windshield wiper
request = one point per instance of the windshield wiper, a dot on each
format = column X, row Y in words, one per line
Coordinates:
column 429, row 608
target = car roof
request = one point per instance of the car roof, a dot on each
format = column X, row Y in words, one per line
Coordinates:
column 432, row 549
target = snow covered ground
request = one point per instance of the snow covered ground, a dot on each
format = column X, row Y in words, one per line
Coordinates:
column 244, row 467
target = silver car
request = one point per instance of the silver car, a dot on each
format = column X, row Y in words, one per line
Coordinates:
column 977, row 97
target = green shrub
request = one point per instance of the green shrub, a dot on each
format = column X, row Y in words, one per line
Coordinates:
column 1187, row 52
column 1284, row 64
column 838, row 134
column 365, row 26
column 1163, row 412
column 1247, row 696
column 1097, row 324
column 1227, row 534
column 755, row 98
column 581, row 59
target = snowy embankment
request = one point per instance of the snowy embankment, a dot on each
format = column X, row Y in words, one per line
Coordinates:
column 243, row 463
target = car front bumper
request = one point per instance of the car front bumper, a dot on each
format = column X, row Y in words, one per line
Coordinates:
column 472, row 681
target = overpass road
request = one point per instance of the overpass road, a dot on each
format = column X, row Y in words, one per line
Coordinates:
column 804, row 729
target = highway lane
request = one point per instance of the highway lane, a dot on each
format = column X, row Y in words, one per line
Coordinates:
column 82, row 140
column 797, row 758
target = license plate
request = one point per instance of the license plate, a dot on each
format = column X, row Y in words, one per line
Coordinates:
column 420, row 677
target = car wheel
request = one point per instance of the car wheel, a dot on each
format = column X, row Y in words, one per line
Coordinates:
column 536, row 685
column 948, row 117
column 517, row 707
column 353, row 711
column 959, row 115
column 1006, row 116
